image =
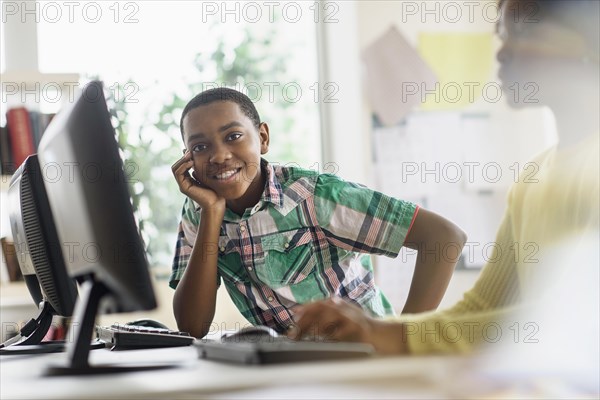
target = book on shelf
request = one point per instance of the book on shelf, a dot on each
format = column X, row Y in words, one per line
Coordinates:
column 21, row 136
column 9, row 255
column 7, row 165
column 36, row 134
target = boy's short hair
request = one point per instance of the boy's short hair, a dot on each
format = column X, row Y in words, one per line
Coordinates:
column 222, row 94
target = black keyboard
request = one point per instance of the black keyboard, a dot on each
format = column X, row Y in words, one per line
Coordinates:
column 279, row 349
column 123, row 336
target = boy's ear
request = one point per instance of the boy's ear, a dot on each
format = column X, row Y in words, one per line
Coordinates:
column 263, row 133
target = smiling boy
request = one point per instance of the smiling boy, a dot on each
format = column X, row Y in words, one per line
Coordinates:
column 279, row 236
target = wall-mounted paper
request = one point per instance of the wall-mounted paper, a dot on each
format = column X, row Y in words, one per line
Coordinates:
column 463, row 64
column 411, row 159
column 393, row 70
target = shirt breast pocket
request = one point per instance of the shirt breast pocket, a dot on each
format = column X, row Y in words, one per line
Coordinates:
column 229, row 262
column 289, row 258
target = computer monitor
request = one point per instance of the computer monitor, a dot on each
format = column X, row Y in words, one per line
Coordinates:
column 89, row 197
column 40, row 259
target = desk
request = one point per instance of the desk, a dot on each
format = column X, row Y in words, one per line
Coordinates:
column 430, row 377
column 386, row 377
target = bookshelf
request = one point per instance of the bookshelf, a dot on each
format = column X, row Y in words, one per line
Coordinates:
column 4, row 229
column 21, row 75
column 4, row 181
column 37, row 91
column 31, row 77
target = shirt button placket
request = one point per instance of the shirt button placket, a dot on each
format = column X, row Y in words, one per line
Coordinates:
column 243, row 237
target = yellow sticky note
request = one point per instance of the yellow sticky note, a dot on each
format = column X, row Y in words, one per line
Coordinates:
column 463, row 64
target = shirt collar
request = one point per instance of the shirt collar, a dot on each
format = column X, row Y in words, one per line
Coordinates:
column 273, row 192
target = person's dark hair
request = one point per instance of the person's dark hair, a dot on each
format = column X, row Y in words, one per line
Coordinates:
column 222, row 94
column 580, row 16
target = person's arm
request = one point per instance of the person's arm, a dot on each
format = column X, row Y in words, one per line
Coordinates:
column 195, row 296
column 456, row 330
column 439, row 243
column 337, row 319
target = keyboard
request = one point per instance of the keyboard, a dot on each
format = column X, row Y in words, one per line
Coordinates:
column 123, row 336
column 274, row 350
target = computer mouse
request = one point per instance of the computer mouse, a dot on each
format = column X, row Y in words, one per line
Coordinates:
column 149, row 323
column 257, row 333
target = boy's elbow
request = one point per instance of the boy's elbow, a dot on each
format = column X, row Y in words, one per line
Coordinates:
column 460, row 236
column 454, row 235
column 448, row 233
column 194, row 328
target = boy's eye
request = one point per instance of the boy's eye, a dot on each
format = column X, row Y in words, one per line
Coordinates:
column 234, row 136
column 198, row 147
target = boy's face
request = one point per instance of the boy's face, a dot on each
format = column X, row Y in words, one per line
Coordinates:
column 226, row 149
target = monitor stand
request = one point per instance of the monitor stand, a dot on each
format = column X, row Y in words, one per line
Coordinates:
column 84, row 323
column 29, row 339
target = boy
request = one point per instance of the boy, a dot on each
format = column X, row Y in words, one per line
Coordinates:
column 280, row 237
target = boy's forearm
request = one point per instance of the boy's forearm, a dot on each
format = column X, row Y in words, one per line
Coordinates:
column 433, row 270
column 195, row 296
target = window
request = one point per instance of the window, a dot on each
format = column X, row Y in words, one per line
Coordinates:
column 153, row 56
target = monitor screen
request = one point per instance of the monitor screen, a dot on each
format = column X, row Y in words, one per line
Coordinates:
column 89, row 197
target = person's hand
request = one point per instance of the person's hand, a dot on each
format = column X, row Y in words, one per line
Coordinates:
column 204, row 196
column 336, row 319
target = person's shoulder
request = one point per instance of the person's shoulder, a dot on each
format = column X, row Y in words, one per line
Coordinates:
column 293, row 169
column 532, row 172
column 334, row 188
column 289, row 173
column 543, row 156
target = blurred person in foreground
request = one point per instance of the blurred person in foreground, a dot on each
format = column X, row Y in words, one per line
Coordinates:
column 544, row 270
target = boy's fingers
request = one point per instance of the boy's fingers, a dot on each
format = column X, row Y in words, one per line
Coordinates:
column 186, row 158
column 177, row 165
column 181, row 169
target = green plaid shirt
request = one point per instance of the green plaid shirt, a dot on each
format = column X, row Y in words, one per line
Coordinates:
column 308, row 238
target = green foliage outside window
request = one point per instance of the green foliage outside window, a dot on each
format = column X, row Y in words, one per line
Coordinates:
column 151, row 149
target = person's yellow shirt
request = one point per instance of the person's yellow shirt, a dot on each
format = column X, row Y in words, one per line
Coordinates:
column 554, row 205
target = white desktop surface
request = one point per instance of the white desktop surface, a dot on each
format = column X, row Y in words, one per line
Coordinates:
column 22, row 377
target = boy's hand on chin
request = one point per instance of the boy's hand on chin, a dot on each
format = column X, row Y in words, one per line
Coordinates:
column 204, row 196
